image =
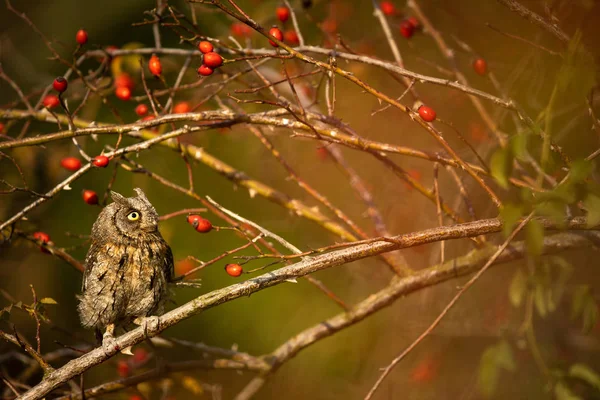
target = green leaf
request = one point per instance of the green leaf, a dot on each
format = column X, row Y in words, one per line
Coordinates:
column 504, row 356
column 562, row 392
column 580, row 170
column 585, row 373
column 493, row 359
column 48, row 300
column 510, row 215
column 487, row 378
column 534, row 238
column 579, row 299
column 592, row 206
column 517, row 288
column 501, row 167
column 518, row 146
column 539, row 299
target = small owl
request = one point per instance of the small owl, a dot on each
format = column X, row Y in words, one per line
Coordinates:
column 127, row 267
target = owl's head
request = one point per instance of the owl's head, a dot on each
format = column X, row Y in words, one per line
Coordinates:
column 133, row 217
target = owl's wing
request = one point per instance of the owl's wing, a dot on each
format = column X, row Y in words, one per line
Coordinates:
column 90, row 260
column 169, row 266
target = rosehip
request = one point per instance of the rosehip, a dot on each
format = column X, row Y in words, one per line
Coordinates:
column 212, row 60
column 70, row 163
column 42, row 237
column 140, row 355
column 240, row 29
column 276, row 33
column 50, row 101
column 480, row 66
column 90, row 197
column 123, row 369
column 123, row 93
column 81, row 37
column 283, row 13
column 205, row 71
column 1, row 127
column 124, row 80
column 60, row 84
column 101, row 161
column 200, row 224
column 182, row 107
column 154, row 65
column 407, row 29
column 291, row 37
column 414, row 22
column 205, row 47
column 141, row 110
column 234, row 270
column 387, row 7
column 427, row 113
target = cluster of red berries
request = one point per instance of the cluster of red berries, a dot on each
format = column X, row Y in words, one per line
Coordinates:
column 409, row 26
column 123, row 86
column 200, row 224
column 210, row 59
column 289, row 36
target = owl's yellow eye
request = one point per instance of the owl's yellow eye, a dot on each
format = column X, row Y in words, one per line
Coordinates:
column 133, row 216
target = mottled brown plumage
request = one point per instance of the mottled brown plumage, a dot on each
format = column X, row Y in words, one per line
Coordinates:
column 127, row 267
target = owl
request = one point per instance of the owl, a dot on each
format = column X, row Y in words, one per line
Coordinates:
column 127, row 267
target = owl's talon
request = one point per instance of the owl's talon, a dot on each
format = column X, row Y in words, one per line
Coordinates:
column 149, row 324
column 109, row 344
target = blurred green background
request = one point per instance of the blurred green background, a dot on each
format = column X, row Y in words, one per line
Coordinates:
column 446, row 364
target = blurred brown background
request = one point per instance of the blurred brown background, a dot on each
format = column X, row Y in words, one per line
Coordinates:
column 344, row 366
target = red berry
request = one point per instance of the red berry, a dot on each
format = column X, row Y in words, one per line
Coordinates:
column 148, row 118
column 414, row 22
column 42, row 237
column 1, row 127
column 141, row 110
column 407, row 29
column 480, row 66
column 427, row 113
column 283, row 13
column 154, row 65
column 81, row 37
column 123, row 93
column 387, row 7
column 90, row 197
column 140, row 355
column 200, row 224
column 124, row 80
column 234, row 270
column 184, row 266
column 212, row 60
column 291, row 37
column 70, row 163
column 276, row 33
column 123, row 369
column 240, row 29
column 182, row 108
column 135, row 397
column 204, row 70
column 101, row 161
column 51, row 101
column 60, row 84
column 205, row 47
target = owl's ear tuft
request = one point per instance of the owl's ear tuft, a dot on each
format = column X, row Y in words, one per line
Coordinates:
column 142, row 195
column 117, row 198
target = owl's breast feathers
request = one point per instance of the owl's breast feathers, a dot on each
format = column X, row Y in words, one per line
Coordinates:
column 123, row 281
